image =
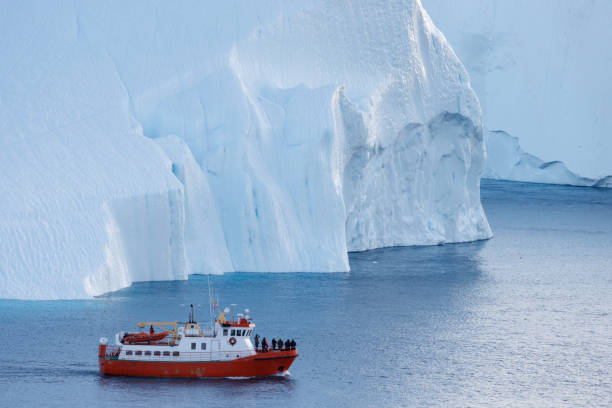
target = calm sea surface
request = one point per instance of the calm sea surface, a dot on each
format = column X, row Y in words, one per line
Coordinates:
column 524, row 319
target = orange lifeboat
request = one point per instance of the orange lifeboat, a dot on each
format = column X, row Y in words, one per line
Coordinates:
column 143, row 338
column 158, row 336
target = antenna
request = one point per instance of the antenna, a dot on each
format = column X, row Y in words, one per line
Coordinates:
column 233, row 311
column 210, row 304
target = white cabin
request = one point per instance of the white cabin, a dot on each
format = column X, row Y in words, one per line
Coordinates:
column 227, row 340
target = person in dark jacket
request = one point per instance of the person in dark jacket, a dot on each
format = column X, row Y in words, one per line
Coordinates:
column 264, row 345
column 256, row 341
column 292, row 344
column 280, row 344
column 273, row 344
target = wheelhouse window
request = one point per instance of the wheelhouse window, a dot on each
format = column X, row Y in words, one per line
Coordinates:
column 157, row 353
column 138, row 353
column 203, row 346
column 233, row 332
column 225, row 332
column 166, row 353
column 175, row 353
column 193, row 346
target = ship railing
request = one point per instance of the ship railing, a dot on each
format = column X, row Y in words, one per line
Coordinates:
column 112, row 352
column 271, row 350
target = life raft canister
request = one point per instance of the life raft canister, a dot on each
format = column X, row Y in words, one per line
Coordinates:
column 232, row 340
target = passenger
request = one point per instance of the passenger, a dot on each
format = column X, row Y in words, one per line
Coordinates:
column 273, row 344
column 280, row 344
column 264, row 345
column 293, row 344
column 256, row 341
column 151, row 331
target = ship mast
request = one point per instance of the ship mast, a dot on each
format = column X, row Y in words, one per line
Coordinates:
column 210, row 307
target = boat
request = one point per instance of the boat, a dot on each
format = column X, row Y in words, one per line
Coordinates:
column 143, row 338
column 184, row 349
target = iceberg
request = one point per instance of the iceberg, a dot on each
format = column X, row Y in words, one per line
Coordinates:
column 150, row 141
column 604, row 182
column 541, row 72
column 506, row 160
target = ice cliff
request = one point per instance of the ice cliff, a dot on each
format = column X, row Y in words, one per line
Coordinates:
column 541, row 71
column 145, row 141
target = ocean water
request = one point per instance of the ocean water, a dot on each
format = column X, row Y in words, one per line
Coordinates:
column 523, row 319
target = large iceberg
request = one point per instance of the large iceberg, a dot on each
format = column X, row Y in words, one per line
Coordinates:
column 506, row 160
column 149, row 141
column 541, row 70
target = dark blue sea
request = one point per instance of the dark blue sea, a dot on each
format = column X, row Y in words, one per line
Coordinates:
column 523, row 319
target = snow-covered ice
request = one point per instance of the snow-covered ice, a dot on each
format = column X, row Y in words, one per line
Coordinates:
column 604, row 182
column 507, row 161
column 146, row 141
column 541, row 70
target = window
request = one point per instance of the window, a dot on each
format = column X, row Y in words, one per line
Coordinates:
column 138, row 353
column 147, row 353
column 175, row 353
column 225, row 332
column 203, row 346
column 129, row 352
column 249, row 333
column 192, row 326
column 157, row 353
column 238, row 332
column 193, row 346
column 166, row 353
column 233, row 332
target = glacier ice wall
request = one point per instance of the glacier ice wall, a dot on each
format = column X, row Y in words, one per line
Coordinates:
column 204, row 239
column 541, row 72
column 148, row 141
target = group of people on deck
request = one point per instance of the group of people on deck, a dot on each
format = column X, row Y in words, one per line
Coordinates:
column 276, row 344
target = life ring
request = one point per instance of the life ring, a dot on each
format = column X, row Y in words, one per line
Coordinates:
column 232, row 340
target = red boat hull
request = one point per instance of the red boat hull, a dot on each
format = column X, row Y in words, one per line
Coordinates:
column 259, row 365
